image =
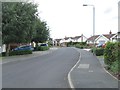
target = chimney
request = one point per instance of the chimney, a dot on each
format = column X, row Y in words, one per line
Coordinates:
column 110, row 32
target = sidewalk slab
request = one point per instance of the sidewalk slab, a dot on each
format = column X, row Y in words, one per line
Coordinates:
column 89, row 73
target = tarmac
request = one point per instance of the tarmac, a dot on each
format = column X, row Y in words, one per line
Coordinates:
column 89, row 72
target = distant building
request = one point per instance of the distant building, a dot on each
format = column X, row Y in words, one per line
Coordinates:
column 63, row 41
column 101, row 39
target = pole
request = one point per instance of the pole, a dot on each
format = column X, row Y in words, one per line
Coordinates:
column 93, row 30
column 93, row 20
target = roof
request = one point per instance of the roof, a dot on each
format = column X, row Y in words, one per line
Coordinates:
column 108, row 35
column 66, row 38
column 77, row 37
column 92, row 38
column 58, row 40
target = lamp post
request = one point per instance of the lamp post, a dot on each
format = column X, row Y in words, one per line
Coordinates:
column 93, row 20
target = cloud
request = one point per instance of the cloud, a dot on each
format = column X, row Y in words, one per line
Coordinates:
column 115, row 17
column 109, row 10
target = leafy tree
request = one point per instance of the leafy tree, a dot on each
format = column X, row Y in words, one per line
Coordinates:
column 42, row 32
column 18, row 20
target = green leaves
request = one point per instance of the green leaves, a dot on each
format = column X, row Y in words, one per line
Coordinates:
column 112, row 56
column 18, row 20
column 41, row 32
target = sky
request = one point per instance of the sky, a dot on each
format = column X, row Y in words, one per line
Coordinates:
column 69, row 18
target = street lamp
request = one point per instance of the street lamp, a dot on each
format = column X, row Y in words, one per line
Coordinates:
column 93, row 20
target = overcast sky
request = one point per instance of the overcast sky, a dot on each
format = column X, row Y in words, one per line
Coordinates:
column 69, row 17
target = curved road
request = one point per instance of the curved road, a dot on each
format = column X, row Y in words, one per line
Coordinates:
column 46, row 71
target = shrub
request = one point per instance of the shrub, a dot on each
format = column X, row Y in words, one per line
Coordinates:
column 69, row 44
column 42, row 48
column 108, row 53
column 20, row 52
column 115, row 67
column 3, row 53
column 112, row 56
column 99, row 51
column 79, row 46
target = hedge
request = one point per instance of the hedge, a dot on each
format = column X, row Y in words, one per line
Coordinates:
column 99, row 51
column 20, row 52
column 109, row 56
column 112, row 56
column 79, row 46
column 41, row 48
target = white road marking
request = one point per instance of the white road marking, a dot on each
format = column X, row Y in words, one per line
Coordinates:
column 90, row 71
column 69, row 76
column 84, row 66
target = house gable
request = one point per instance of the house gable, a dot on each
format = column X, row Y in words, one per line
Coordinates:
column 101, row 38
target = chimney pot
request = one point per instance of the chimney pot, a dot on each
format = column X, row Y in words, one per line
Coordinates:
column 110, row 32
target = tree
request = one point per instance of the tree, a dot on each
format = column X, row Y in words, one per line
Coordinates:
column 18, row 20
column 42, row 32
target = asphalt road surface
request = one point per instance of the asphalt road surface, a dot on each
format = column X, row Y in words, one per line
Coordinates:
column 90, row 74
column 46, row 71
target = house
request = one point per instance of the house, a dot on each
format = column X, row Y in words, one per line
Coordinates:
column 57, row 42
column 92, row 39
column 101, row 39
column 81, row 38
column 64, row 41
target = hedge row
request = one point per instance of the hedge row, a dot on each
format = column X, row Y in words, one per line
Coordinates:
column 75, row 43
column 79, row 46
column 20, row 52
column 98, row 51
column 41, row 48
column 112, row 56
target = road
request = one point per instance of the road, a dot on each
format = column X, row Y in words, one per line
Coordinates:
column 89, row 73
column 46, row 71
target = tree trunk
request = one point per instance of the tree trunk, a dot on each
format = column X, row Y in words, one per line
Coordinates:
column 7, row 49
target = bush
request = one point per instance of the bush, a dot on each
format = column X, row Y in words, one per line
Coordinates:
column 112, row 56
column 69, row 44
column 42, row 48
column 109, row 57
column 79, row 46
column 115, row 67
column 99, row 51
column 20, row 52
column 3, row 54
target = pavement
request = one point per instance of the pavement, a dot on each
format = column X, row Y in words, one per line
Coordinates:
column 26, row 57
column 89, row 73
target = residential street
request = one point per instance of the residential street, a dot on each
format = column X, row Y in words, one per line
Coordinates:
column 46, row 71
column 51, row 71
column 60, row 44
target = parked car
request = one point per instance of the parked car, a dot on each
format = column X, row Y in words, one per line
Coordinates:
column 99, row 45
column 44, row 44
column 25, row 47
column 104, row 45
